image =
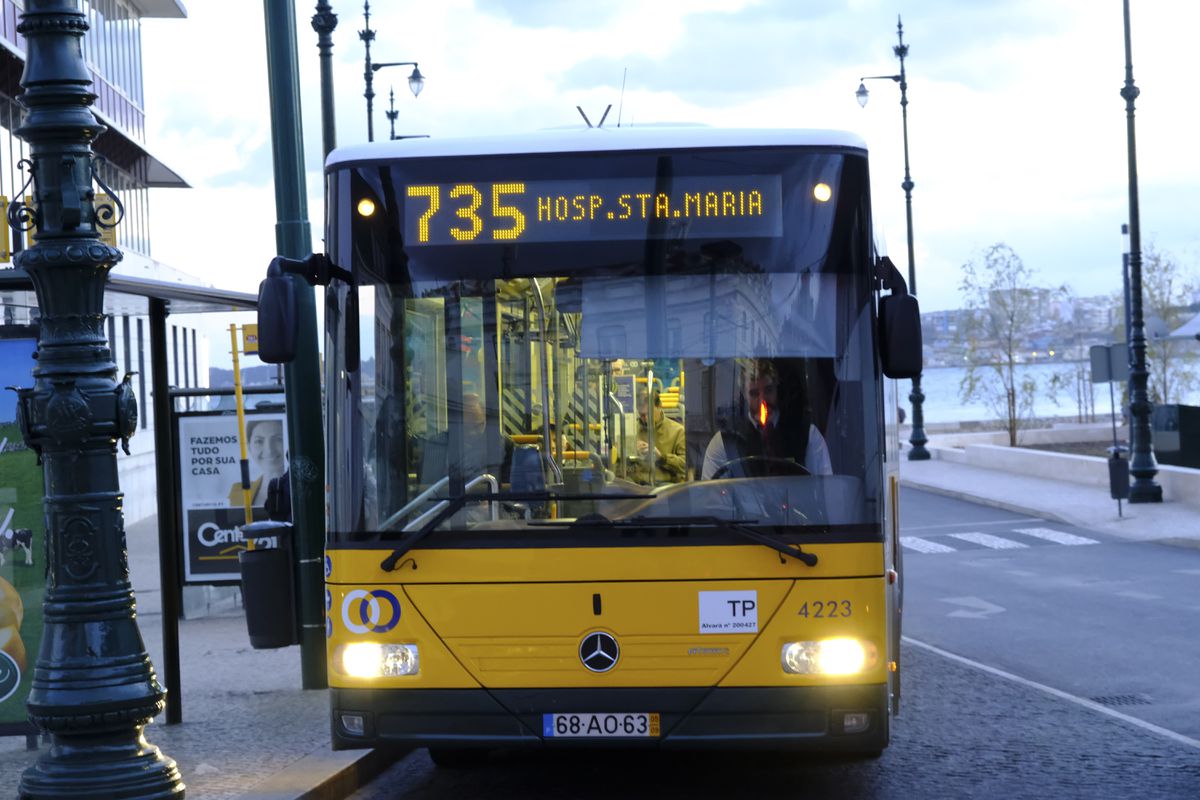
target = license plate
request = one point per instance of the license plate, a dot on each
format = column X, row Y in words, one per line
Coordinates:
column 600, row 726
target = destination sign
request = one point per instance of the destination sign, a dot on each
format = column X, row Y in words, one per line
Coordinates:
column 592, row 210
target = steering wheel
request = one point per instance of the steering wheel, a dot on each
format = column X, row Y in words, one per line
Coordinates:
column 759, row 466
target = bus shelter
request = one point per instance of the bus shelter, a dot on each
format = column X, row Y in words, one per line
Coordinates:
column 151, row 300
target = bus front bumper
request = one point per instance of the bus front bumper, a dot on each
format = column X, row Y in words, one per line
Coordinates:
column 785, row 718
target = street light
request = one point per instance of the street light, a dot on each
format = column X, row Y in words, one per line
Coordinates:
column 324, row 22
column 94, row 688
column 416, row 81
column 392, row 113
column 917, row 438
column 1141, row 463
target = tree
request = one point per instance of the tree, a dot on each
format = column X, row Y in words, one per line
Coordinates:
column 1167, row 291
column 1075, row 378
column 1005, row 312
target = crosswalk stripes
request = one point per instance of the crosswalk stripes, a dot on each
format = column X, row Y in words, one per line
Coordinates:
column 992, row 542
column 988, row 540
column 1059, row 537
column 924, row 545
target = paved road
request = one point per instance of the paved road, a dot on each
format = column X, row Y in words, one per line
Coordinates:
column 1099, row 618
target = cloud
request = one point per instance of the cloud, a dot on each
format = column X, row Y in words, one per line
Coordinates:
column 539, row 14
column 1017, row 131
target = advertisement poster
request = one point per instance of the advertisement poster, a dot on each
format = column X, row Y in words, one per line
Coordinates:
column 210, row 487
column 22, row 537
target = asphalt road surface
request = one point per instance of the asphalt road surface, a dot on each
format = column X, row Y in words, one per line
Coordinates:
column 1098, row 618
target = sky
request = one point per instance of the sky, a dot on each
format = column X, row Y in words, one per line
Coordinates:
column 1017, row 130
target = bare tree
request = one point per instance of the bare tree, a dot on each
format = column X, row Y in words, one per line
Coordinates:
column 1074, row 379
column 1167, row 289
column 1004, row 312
column 1168, row 295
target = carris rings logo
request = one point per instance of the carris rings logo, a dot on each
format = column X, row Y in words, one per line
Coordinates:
column 599, row 651
column 362, row 611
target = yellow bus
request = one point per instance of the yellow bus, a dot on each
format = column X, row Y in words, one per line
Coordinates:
column 611, row 443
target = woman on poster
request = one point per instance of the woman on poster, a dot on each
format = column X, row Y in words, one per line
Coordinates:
column 266, row 450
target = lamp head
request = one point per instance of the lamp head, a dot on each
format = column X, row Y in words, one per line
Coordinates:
column 416, row 81
column 862, row 94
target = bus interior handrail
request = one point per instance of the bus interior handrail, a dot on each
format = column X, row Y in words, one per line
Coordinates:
column 490, row 480
column 421, row 498
column 612, row 398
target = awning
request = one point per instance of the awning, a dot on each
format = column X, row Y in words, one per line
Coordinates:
column 166, row 9
column 129, row 154
column 182, row 298
column 115, row 144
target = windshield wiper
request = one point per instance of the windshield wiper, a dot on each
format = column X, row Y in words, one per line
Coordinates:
column 454, row 504
column 739, row 526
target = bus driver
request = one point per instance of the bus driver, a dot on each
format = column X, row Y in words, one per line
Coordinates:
column 774, row 428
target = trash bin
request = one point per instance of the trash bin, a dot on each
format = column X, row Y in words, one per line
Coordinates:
column 1118, row 473
column 1175, row 430
column 268, row 591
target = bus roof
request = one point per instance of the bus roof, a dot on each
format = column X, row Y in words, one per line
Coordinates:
column 582, row 140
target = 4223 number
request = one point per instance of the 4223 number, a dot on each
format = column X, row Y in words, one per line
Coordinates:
column 825, row 609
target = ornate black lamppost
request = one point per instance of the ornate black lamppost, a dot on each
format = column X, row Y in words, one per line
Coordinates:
column 324, row 22
column 392, row 113
column 1141, row 464
column 917, row 438
column 416, row 81
column 94, row 688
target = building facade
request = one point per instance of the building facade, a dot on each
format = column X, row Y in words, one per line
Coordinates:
column 113, row 53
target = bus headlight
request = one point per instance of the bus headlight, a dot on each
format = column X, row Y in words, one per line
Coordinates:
column 375, row 660
column 842, row 655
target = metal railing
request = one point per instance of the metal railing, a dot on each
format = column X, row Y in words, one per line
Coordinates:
column 433, row 490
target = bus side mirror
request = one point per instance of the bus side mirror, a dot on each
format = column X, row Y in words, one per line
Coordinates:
column 277, row 317
column 899, row 336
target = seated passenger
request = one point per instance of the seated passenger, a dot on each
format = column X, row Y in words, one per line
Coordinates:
column 670, row 453
column 474, row 461
column 773, row 429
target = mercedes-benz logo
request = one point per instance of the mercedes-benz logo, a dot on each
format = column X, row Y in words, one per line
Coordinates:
column 599, row 652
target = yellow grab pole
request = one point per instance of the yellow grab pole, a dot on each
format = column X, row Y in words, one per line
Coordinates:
column 247, row 499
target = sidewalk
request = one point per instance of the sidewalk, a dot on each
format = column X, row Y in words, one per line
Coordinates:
column 248, row 729
column 1064, row 501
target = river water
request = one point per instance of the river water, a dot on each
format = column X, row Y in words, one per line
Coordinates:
column 944, row 403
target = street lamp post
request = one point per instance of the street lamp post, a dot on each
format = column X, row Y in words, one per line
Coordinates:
column 1125, row 283
column 917, row 438
column 1141, row 464
column 94, row 687
column 324, row 22
column 392, row 113
column 416, row 81
column 293, row 239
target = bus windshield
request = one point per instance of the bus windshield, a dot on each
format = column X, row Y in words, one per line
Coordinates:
column 551, row 342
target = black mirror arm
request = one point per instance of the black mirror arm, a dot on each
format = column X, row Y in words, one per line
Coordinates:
column 890, row 276
column 316, row 269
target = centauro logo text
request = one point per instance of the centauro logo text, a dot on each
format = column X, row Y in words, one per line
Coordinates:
column 210, row 534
